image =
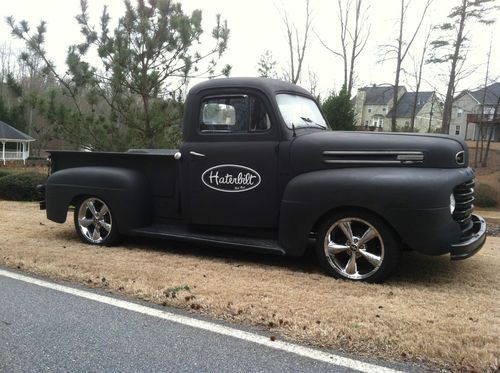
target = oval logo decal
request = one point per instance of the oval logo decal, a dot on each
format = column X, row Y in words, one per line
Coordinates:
column 231, row 178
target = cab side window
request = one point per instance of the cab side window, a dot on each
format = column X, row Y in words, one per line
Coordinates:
column 233, row 114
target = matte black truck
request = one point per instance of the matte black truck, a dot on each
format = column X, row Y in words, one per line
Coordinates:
column 259, row 169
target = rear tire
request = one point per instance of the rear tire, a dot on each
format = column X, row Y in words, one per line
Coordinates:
column 94, row 222
column 357, row 246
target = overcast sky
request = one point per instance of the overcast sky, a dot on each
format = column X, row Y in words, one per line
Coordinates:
column 256, row 26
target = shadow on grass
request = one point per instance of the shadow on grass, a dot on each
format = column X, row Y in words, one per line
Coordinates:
column 414, row 268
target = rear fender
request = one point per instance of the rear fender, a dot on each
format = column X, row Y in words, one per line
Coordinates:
column 127, row 192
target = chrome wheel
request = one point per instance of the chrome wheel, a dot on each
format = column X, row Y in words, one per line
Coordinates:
column 354, row 248
column 94, row 220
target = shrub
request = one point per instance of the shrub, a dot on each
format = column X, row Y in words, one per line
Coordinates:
column 4, row 173
column 486, row 196
column 21, row 186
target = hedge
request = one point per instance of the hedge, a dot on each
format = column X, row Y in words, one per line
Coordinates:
column 4, row 173
column 485, row 196
column 21, row 186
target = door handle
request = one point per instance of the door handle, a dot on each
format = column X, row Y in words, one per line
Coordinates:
column 196, row 154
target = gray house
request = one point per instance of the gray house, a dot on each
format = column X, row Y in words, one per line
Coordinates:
column 373, row 107
column 468, row 111
column 428, row 112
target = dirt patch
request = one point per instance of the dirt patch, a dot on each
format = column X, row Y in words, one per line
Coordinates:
column 433, row 310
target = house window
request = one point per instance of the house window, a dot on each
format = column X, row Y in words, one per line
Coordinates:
column 381, row 122
column 369, row 109
column 457, row 130
column 366, row 122
column 460, row 112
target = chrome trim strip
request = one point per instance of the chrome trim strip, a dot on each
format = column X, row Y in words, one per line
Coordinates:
column 360, row 161
column 410, row 157
column 371, row 152
column 402, row 157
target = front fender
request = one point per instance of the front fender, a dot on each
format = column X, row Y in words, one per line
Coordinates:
column 127, row 193
column 389, row 192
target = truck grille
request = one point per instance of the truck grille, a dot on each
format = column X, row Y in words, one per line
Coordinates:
column 464, row 198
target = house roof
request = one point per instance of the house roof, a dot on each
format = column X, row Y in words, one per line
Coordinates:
column 405, row 103
column 378, row 95
column 492, row 94
column 9, row 133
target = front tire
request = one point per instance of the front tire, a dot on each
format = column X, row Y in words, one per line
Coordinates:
column 94, row 222
column 357, row 246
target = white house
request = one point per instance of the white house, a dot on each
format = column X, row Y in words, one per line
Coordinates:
column 15, row 144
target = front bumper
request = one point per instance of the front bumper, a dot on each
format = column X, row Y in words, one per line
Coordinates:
column 466, row 249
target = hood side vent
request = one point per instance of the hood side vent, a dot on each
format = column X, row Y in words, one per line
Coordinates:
column 395, row 157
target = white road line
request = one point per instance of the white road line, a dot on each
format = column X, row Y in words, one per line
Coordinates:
column 205, row 325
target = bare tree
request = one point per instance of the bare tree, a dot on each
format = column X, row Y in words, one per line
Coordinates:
column 7, row 62
column 417, row 74
column 478, row 155
column 313, row 83
column 297, row 45
column 400, row 49
column 494, row 125
column 352, row 39
column 453, row 42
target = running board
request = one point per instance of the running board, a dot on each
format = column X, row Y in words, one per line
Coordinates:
column 182, row 233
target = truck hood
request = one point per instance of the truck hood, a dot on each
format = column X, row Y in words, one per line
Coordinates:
column 330, row 149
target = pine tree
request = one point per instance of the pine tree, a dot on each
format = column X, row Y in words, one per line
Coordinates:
column 339, row 111
column 133, row 96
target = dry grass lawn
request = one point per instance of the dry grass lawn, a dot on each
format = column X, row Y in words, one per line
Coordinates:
column 444, row 313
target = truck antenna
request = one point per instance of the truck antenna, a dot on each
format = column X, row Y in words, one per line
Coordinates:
column 293, row 130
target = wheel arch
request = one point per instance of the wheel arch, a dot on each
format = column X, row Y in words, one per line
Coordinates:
column 337, row 210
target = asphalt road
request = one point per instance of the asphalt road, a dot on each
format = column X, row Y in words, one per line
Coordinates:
column 43, row 329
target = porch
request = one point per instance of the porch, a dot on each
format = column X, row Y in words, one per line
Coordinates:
column 15, row 145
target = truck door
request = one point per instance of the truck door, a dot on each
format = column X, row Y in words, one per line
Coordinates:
column 232, row 162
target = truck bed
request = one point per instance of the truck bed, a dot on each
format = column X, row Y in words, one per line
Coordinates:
column 157, row 165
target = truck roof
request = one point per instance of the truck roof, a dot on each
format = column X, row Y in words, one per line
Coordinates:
column 268, row 86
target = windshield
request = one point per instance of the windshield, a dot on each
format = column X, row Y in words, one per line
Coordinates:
column 300, row 111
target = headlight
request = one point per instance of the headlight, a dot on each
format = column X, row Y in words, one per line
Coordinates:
column 452, row 203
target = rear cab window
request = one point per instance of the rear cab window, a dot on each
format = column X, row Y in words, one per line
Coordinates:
column 233, row 114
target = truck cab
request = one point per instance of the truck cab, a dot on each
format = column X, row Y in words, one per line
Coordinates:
column 260, row 169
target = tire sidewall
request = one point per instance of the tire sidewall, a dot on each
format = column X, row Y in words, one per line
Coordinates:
column 389, row 238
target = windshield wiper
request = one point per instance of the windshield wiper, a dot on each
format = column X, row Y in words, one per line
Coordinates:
column 309, row 120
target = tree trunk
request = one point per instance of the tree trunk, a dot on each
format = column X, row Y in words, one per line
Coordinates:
column 398, row 70
column 419, row 81
column 476, row 153
column 415, row 103
column 492, row 131
column 450, row 92
column 431, row 114
column 354, row 46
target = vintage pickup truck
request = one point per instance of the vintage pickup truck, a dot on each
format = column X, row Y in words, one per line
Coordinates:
column 259, row 169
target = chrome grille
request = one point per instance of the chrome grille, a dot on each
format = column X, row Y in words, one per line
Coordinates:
column 464, row 199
